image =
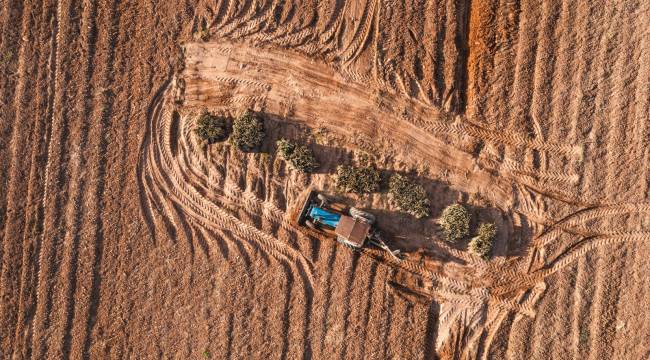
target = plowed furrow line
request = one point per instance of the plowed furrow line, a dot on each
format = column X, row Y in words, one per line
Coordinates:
column 518, row 339
column 286, row 321
column 28, row 276
column 63, row 30
column 229, row 295
column 531, row 20
column 26, row 270
column 622, row 166
column 246, row 278
column 481, row 33
column 642, row 101
column 565, row 287
column 605, row 321
column 109, row 38
column 376, row 328
column 334, row 331
column 542, row 337
column 603, row 47
column 561, row 103
column 389, row 309
column 355, row 291
column 401, row 312
column 579, row 81
column 15, row 212
column 545, row 65
column 372, row 311
column 67, row 279
column 417, row 325
column 592, row 322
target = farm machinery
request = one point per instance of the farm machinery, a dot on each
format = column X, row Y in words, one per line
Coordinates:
column 353, row 228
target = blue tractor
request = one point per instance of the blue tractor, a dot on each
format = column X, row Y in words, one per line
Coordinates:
column 353, row 229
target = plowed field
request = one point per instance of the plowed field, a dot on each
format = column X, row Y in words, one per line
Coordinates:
column 124, row 237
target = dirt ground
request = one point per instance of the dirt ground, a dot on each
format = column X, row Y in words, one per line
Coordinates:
column 123, row 237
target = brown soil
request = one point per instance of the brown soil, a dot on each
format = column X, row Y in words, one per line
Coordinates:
column 123, row 237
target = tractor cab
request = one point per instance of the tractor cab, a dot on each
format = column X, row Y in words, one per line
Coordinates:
column 352, row 230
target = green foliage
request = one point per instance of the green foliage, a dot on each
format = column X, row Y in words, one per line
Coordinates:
column 408, row 196
column 206, row 354
column 454, row 222
column 481, row 244
column 247, row 132
column 299, row 156
column 357, row 179
column 210, row 128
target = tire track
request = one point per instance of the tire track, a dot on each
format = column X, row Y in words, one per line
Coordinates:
column 66, row 279
column 328, row 299
column 26, row 270
column 48, row 248
column 13, row 17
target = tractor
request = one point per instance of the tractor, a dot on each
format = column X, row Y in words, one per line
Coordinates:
column 353, row 228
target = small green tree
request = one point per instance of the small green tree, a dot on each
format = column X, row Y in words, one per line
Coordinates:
column 358, row 180
column 247, row 132
column 481, row 244
column 408, row 196
column 454, row 222
column 210, row 128
column 300, row 157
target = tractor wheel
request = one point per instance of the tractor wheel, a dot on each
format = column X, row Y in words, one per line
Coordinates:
column 362, row 215
column 323, row 200
column 310, row 224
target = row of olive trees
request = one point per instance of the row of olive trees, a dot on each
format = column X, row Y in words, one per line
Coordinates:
column 455, row 220
column 405, row 194
column 247, row 130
